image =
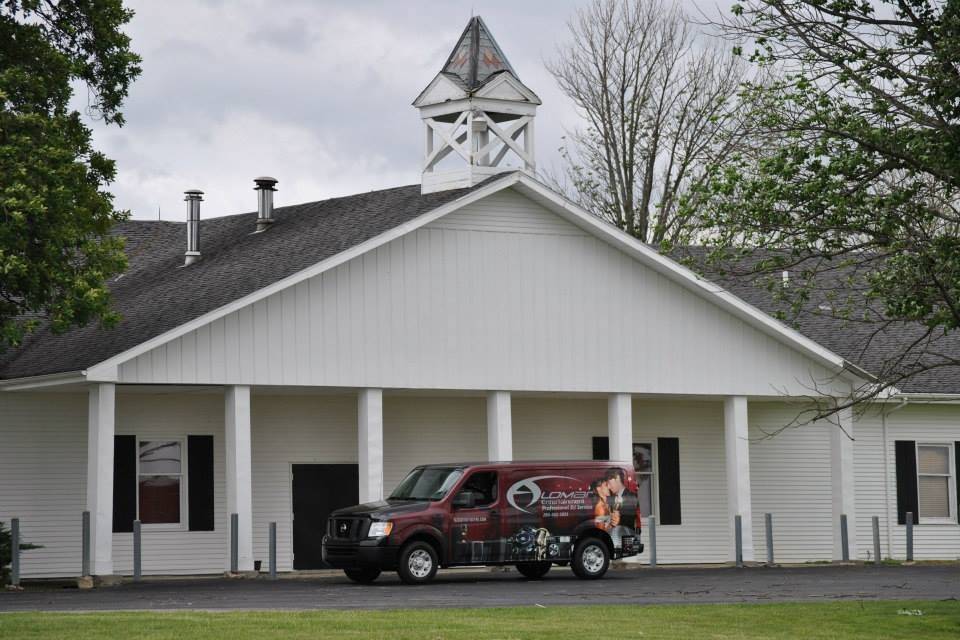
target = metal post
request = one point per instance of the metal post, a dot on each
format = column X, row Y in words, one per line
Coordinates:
column 738, row 539
column 909, row 536
column 85, row 542
column 137, row 552
column 234, row 543
column 652, row 524
column 844, row 542
column 15, row 551
column 273, row 550
column 876, row 540
column 768, row 524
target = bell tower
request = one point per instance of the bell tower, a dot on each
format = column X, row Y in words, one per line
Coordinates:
column 477, row 112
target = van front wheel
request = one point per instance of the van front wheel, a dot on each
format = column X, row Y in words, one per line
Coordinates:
column 418, row 563
column 591, row 559
column 533, row 570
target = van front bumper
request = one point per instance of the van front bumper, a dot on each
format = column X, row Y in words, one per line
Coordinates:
column 362, row 554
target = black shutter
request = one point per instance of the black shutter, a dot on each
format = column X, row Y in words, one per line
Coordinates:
column 906, row 457
column 601, row 448
column 956, row 460
column 668, row 479
column 124, row 483
column 200, row 482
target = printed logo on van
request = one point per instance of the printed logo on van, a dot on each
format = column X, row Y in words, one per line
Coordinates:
column 528, row 493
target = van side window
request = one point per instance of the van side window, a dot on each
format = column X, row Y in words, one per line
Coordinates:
column 484, row 484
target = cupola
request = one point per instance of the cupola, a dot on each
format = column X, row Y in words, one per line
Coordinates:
column 478, row 112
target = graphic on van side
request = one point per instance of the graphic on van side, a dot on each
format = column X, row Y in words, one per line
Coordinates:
column 528, row 487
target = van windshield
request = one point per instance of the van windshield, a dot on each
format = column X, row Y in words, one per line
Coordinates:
column 427, row 483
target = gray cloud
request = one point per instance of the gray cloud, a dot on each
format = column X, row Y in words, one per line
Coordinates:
column 315, row 93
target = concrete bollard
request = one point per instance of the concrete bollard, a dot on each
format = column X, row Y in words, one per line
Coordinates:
column 876, row 539
column 137, row 552
column 909, row 536
column 844, row 541
column 768, row 525
column 273, row 550
column 85, row 543
column 652, row 525
column 738, row 539
column 234, row 543
column 15, row 552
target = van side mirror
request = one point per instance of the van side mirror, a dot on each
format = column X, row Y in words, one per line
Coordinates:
column 466, row 499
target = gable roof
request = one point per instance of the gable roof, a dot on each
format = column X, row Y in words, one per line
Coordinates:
column 160, row 299
column 157, row 293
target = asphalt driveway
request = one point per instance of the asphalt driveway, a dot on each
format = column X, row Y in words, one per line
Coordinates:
column 497, row 589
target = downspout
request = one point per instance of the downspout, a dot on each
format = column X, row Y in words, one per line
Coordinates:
column 886, row 470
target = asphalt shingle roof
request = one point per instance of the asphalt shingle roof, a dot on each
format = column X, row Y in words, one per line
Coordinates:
column 157, row 293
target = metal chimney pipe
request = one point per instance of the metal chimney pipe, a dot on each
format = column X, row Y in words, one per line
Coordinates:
column 265, row 188
column 193, row 199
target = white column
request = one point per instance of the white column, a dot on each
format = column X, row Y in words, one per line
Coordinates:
column 100, row 431
column 239, row 475
column 370, row 443
column 620, row 426
column 737, row 446
column 499, row 427
column 841, row 471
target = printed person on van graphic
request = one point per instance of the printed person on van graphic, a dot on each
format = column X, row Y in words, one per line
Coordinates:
column 621, row 495
column 601, row 508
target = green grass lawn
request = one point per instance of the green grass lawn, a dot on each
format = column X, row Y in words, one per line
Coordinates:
column 821, row 620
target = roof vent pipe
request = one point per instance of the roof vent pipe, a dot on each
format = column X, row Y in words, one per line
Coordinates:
column 265, row 188
column 193, row 199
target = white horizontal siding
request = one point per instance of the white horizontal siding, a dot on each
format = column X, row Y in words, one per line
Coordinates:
column 790, row 478
column 423, row 430
column 558, row 428
column 922, row 423
column 871, row 489
column 171, row 551
column 287, row 430
column 500, row 295
column 43, row 467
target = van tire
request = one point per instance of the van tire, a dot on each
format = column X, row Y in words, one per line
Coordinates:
column 418, row 562
column 362, row 576
column 591, row 558
column 534, row 570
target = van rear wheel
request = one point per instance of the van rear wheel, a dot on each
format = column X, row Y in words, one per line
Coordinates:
column 533, row 570
column 591, row 559
column 418, row 563
column 362, row 576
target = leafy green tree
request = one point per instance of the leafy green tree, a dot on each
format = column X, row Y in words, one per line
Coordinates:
column 55, row 214
column 856, row 187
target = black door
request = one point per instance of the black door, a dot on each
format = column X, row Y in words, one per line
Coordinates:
column 318, row 489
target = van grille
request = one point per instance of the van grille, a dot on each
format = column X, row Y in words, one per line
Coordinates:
column 347, row 528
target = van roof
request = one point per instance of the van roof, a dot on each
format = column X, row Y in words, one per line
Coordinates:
column 577, row 464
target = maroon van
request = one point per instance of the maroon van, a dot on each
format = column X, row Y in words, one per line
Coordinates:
column 529, row 514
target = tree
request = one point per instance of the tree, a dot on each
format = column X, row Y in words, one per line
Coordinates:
column 858, row 195
column 56, row 253
column 659, row 104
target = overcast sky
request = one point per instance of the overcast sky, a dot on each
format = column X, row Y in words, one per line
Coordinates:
column 316, row 94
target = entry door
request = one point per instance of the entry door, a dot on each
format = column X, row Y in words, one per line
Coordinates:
column 319, row 489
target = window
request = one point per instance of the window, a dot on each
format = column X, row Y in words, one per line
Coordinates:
column 427, row 483
column 934, row 482
column 484, row 485
column 160, row 492
column 643, row 467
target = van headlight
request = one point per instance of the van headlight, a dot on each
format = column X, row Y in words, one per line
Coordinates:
column 379, row 529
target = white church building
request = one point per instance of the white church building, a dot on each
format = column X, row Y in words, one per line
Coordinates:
column 305, row 357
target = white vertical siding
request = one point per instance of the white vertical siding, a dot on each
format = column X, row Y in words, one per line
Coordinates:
column 562, row 428
column 43, row 473
column 287, row 430
column 499, row 295
column 790, row 478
